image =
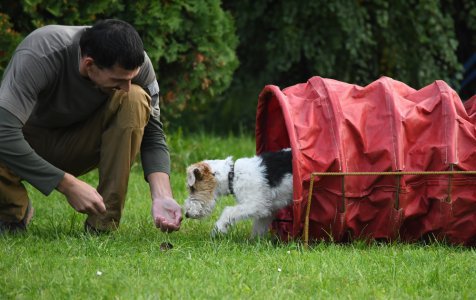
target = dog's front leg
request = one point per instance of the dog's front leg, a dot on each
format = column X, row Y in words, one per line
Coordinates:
column 229, row 216
column 261, row 226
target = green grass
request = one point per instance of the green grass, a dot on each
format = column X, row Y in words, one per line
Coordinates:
column 56, row 260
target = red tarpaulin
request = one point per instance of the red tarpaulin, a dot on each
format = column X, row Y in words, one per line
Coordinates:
column 333, row 126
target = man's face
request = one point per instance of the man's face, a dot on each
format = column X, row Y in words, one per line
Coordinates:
column 110, row 79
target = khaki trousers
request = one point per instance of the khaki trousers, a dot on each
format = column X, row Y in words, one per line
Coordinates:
column 110, row 141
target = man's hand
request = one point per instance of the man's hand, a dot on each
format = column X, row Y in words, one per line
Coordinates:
column 166, row 212
column 81, row 196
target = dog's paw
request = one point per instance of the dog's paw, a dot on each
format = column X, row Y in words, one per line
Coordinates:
column 218, row 231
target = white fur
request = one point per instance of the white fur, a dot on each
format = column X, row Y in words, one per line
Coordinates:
column 255, row 198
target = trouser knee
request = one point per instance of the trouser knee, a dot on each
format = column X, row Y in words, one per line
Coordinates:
column 132, row 109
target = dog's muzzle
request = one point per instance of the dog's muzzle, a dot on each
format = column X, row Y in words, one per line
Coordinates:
column 195, row 209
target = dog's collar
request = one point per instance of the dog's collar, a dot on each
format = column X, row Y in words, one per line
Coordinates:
column 231, row 175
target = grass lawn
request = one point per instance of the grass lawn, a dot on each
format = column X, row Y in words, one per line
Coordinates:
column 56, row 260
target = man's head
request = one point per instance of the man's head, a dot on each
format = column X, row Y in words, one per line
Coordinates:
column 112, row 42
column 111, row 54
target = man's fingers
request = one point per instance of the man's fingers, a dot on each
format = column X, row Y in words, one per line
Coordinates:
column 178, row 218
column 165, row 225
column 101, row 208
column 175, row 223
column 169, row 227
column 92, row 210
column 158, row 222
column 95, row 208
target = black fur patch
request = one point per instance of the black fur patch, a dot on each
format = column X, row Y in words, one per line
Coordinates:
column 277, row 164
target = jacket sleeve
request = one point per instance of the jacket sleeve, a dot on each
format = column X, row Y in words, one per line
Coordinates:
column 154, row 150
column 17, row 155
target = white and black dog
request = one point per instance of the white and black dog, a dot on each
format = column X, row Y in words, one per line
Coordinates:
column 261, row 185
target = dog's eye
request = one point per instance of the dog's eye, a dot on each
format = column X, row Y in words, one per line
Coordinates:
column 192, row 189
column 214, row 173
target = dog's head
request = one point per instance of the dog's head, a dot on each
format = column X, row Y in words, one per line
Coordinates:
column 201, row 184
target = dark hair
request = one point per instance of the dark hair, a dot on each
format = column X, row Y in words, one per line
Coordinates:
column 113, row 41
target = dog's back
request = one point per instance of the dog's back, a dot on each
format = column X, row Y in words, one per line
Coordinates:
column 277, row 165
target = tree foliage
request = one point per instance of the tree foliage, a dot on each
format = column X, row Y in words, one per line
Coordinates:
column 191, row 43
column 8, row 40
column 194, row 45
column 287, row 42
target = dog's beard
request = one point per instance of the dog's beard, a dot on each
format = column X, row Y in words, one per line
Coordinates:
column 196, row 209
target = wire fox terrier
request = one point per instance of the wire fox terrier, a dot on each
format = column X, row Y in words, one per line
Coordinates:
column 261, row 185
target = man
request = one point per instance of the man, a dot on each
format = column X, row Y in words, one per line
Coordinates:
column 76, row 98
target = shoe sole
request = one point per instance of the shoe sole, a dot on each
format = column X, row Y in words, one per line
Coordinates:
column 19, row 227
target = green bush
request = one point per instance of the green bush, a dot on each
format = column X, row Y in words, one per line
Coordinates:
column 191, row 43
column 194, row 44
column 8, row 41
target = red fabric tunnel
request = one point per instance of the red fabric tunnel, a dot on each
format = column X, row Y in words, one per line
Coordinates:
column 333, row 126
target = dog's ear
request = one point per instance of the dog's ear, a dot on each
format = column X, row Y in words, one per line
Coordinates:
column 193, row 176
column 190, row 178
column 198, row 174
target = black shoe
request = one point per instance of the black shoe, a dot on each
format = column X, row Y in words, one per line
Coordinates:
column 18, row 227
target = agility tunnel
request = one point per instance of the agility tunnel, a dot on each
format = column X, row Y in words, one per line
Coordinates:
column 381, row 162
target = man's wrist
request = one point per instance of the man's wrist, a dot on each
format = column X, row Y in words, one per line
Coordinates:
column 159, row 183
column 64, row 183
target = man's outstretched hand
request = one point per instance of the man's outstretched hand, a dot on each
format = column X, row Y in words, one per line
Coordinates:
column 167, row 214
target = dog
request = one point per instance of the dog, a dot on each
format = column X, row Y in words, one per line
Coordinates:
column 261, row 185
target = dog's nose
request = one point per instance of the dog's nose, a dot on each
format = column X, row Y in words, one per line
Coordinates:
column 186, row 215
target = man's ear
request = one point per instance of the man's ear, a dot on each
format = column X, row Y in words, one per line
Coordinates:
column 85, row 64
column 88, row 61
